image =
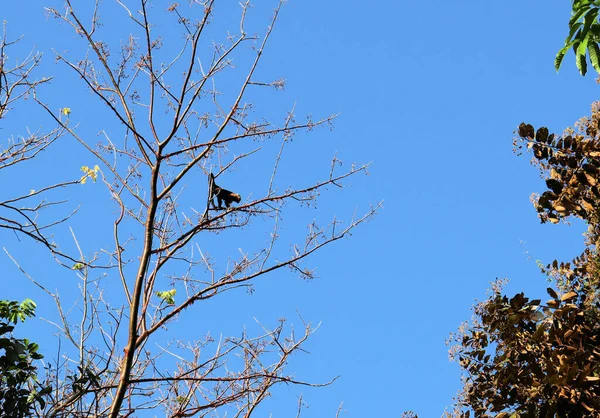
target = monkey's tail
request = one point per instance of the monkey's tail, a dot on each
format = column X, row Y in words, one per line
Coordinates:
column 211, row 181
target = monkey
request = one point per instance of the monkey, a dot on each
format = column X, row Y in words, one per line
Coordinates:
column 222, row 195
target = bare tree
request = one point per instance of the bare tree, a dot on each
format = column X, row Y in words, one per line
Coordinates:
column 180, row 116
column 22, row 214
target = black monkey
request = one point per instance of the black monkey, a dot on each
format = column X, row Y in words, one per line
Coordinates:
column 222, row 195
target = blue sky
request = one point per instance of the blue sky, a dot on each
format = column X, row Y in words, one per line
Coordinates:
column 430, row 93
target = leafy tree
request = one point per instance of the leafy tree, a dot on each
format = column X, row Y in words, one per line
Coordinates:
column 583, row 37
column 19, row 386
column 174, row 105
column 529, row 358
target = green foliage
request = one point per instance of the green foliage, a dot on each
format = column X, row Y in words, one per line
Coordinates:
column 168, row 296
column 584, row 35
column 19, row 388
column 13, row 310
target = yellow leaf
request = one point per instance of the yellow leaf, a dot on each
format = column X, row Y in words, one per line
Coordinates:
column 66, row 111
column 89, row 173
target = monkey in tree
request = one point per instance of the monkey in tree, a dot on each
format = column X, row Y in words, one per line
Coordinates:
column 222, row 195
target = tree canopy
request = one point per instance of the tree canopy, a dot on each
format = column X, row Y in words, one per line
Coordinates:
column 535, row 358
column 20, row 389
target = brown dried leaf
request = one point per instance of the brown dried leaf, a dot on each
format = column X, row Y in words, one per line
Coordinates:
column 526, row 130
column 590, row 179
column 568, row 296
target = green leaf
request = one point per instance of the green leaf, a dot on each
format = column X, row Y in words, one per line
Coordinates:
column 579, row 4
column 580, row 57
column 577, row 15
column 590, row 18
column 28, row 308
column 594, row 52
column 561, row 54
column 573, row 31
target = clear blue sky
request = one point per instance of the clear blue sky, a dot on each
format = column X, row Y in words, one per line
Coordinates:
column 430, row 93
